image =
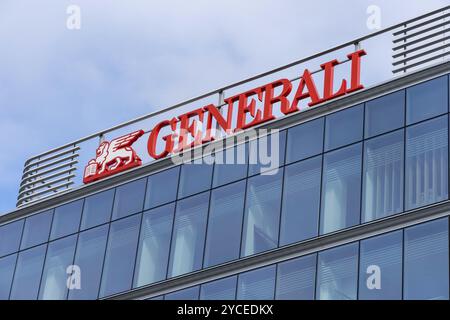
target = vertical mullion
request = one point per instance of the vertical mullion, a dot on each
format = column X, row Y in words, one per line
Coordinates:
column 17, row 259
column 45, row 256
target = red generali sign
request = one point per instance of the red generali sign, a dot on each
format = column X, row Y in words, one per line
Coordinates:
column 185, row 131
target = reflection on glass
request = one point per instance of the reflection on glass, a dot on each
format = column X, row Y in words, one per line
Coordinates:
column 97, row 209
column 66, row 219
column 344, row 127
column 185, row 294
column 230, row 165
column 37, row 229
column 162, row 188
column 222, row 289
column 295, row 279
column 257, row 284
column 10, row 235
column 305, row 140
column 129, row 198
column 7, row 265
column 267, row 153
column 194, row 178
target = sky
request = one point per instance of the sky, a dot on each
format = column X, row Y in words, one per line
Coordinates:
column 129, row 58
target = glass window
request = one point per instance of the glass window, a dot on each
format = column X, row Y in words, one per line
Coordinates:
column 385, row 114
column 185, row 294
column 301, row 199
column 7, row 265
column 188, row 237
column 97, row 209
column 222, row 289
column 383, row 176
column 37, row 229
column 426, row 163
column 337, row 273
column 225, row 222
column 54, row 279
column 380, row 271
column 426, row 261
column 162, row 188
column 262, row 213
column 341, row 189
column 305, row 140
column 129, row 198
column 295, row 279
column 426, row 100
column 230, row 165
column 120, row 256
column 154, row 245
column 66, row 219
column 28, row 273
column 257, row 284
column 10, row 235
column 89, row 257
column 195, row 178
column 344, row 127
column 267, row 153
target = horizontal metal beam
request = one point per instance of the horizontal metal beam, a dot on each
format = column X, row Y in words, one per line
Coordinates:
column 406, row 52
column 427, row 37
column 47, row 165
column 407, row 29
column 54, row 189
column 47, row 184
column 421, row 54
column 30, row 176
column 409, row 66
column 421, row 32
column 43, row 179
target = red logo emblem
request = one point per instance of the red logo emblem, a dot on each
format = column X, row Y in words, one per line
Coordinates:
column 113, row 157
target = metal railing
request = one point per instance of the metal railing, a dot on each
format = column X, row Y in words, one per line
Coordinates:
column 55, row 171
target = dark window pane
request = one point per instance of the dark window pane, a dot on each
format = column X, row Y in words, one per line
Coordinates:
column 222, row 289
column 225, row 222
column 28, row 274
column 426, row 163
column 426, row 261
column 385, row 114
column 383, row 176
column 129, row 198
column 7, row 265
column 341, row 189
column 426, row 100
column 262, row 213
column 301, row 199
column 54, row 278
column 305, row 140
column 337, row 273
column 154, row 245
column 89, row 257
column 380, row 274
column 295, row 279
column 10, row 235
column 194, row 178
column 120, row 255
column 257, row 284
column 344, row 127
column 185, row 294
column 66, row 219
column 188, row 237
column 267, row 153
column 37, row 229
column 162, row 188
column 230, row 165
column 97, row 209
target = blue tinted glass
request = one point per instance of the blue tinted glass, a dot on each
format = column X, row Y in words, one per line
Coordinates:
column 305, row 140
column 37, row 229
column 194, row 178
column 225, row 222
column 295, row 279
column 344, row 127
column 262, row 213
column 10, row 235
column 222, row 289
column 257, row 284
column 162, row 188
column 28, row 274
column 7, row 265
column 89, row 257
column 267, row 153
column 301, row 199
column 426, row 100
column 380, row 271
column 383, row 176
column 337, row 273
column 188, row 237
column 426, row 163
column 385, row 114
column 154, row 245
column 426, row 261
column 185, row 294
column 66, row 219
column 230, row 165
column 341, row 189
column 129, row 198
column 97, row 209
column 120, row 255
column 54, row 278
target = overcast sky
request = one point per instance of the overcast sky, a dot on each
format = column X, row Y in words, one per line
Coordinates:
column 130, row 58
